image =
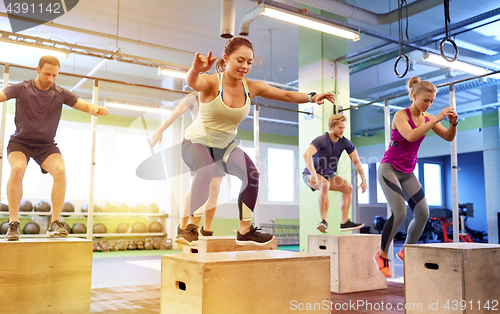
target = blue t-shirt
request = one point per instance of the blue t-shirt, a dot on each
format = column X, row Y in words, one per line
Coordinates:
column 38, row 111
column 328, row 154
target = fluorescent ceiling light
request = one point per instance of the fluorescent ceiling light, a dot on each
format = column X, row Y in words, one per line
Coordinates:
column 457, row 65
column 138, row 108
column 306, row 22
column 473, row 47
column 174, row 73
column 22, row 48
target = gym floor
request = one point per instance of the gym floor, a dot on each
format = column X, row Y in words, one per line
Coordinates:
column 130, row 281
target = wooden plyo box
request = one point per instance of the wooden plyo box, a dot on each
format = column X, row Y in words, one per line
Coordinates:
column 225, row 244
column 45, row 275
column 351, row 256
column 264, row 282
column 452, row 278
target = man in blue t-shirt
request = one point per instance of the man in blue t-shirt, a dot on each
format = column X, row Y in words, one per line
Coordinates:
column 322, row 157
column 38, row 111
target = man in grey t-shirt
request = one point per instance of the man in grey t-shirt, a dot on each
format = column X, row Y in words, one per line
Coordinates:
column 322, row 157
column 38, row 111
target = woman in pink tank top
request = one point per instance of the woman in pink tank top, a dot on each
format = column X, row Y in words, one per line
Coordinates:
column 395, row 173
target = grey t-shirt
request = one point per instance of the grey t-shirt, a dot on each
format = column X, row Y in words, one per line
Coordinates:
column 37, row 111
column 328, row 154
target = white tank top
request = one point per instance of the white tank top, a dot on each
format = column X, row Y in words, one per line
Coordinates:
column 217, row 124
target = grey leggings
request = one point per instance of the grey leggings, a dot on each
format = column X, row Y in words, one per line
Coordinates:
column 398, row 187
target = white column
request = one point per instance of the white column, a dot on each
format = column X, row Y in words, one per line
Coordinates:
column 93, row 128
column 387, row 128
column 257, row 160
column 454, row 174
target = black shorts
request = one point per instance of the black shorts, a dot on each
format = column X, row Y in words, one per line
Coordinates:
column 38, row 151
column 307, row 176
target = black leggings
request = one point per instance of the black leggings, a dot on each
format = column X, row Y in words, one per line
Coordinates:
column 234, row 161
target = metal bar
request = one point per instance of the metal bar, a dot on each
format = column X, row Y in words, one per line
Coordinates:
column 387, row 126
column 102, row 79
column 454, row 173
column 93, row 128
column 406, row 93
column 280, row 108
column 4, row 114
column 94, row 33
column 256, row 143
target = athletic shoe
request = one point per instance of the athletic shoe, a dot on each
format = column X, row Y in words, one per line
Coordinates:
column 382, row 265
column 56, row 229
column 400, row 255
column 323, row 227
column 13, row 231
column 188, row 236
column 205, row 233
column 254, row 237
column 349, row 226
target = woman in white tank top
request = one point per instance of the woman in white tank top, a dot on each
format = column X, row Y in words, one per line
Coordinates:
column 224, row 102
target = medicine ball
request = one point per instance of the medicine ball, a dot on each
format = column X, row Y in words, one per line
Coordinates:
column 5, row 206
column 122, row 227
column 100, row 228
column 26, row 206
column 155, row 226
column 139, row 208
column 79, row 228
column 106, row 207
column 68, row 208
column 378, row 223
column 153, row 208
column 4, row 227
column 85, row 208
column 31, row 228
column 42, row 206
column 122, row 208
column 139, row 227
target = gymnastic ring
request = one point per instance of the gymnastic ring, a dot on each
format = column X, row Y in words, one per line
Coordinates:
column 396, row 66
column 441, row 46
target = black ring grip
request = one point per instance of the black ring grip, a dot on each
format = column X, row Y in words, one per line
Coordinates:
column 441, row 46
column 396, row 66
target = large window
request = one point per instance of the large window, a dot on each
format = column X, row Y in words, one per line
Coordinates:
column 280, row 174
column 433, row 184
column 364, row 198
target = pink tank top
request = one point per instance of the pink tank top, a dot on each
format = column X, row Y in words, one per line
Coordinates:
column 402, row 154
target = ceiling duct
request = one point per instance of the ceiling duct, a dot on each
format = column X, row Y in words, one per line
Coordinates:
column 227, row 19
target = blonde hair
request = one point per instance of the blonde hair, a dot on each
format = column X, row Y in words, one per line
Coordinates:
column 50, row 60
column 233, row 44
column 415, row 85
column 335, row 119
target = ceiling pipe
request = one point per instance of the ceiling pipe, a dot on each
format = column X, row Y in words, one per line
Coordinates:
column 365, row 16
column 346, row 10
column 227, row 19
column 423, row 39
column 247, row 20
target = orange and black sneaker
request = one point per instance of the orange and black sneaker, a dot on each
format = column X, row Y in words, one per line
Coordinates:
column 383, row 265
column 400, row 255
